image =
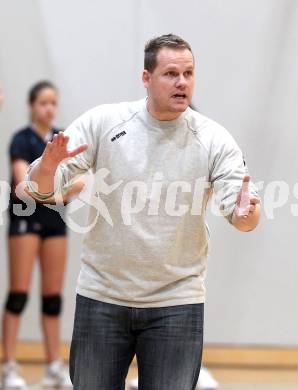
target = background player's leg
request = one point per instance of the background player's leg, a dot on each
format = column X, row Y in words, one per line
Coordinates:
column 23, row 251
column 169, row 348
column 52, row 261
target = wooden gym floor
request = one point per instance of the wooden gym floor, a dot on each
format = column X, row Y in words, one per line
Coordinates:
column 229, row 378
column 235, row 368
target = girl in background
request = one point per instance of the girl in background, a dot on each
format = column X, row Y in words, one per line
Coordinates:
column 41, row 235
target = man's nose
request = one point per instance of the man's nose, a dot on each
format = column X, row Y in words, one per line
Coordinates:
column 181, row 81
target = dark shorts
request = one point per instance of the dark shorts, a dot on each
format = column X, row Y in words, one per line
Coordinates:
column 167, row 342
column 44, row 222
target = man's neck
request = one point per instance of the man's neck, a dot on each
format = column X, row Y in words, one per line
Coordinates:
column 161, row 115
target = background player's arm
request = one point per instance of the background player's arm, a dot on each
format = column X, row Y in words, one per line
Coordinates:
column 19, row 168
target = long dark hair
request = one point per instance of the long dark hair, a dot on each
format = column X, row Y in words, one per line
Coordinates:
column 37, row 88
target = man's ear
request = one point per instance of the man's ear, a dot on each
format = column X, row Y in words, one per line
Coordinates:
column 146, row 78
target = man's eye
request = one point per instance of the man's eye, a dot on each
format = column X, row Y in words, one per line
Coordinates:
column 171, row 74
column 188, row 73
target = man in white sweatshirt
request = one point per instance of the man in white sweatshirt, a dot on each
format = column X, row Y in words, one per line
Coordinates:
column 156, row 163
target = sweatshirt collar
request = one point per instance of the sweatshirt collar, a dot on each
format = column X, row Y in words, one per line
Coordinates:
column 167, row 124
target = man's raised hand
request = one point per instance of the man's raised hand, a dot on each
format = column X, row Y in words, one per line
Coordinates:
column 56, row 151
column 245, row 204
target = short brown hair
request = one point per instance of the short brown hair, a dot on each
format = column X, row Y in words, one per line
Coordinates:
column 153, row 46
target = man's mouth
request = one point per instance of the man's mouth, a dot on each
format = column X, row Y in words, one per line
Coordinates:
column 179, row 96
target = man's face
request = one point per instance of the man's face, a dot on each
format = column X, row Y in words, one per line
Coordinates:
column 170, row 85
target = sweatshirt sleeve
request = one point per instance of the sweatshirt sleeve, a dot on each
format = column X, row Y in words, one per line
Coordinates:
column 85, row 129
column 227, row 170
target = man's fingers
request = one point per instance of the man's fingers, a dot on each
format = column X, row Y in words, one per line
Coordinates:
column 60, row 138
column 243, row 212
column 49, row 145
column 252, row 208
column 246, row 204
column 245, row 184
column 243, row 196
column 244, row 190
column 55, row 139
column 78, row 150
column 65, row 140
column 254, row 200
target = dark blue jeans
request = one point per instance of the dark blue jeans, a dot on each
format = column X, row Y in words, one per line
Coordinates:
column 167, row 342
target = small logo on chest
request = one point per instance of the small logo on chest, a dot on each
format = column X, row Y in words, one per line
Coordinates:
column 118, row 135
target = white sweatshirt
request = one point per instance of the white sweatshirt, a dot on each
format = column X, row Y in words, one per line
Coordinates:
column 149, row 245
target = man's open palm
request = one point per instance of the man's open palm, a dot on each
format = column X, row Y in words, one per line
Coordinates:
column 56, row 150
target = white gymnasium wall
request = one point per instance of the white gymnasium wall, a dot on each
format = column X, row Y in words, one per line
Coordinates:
column 246, row 55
